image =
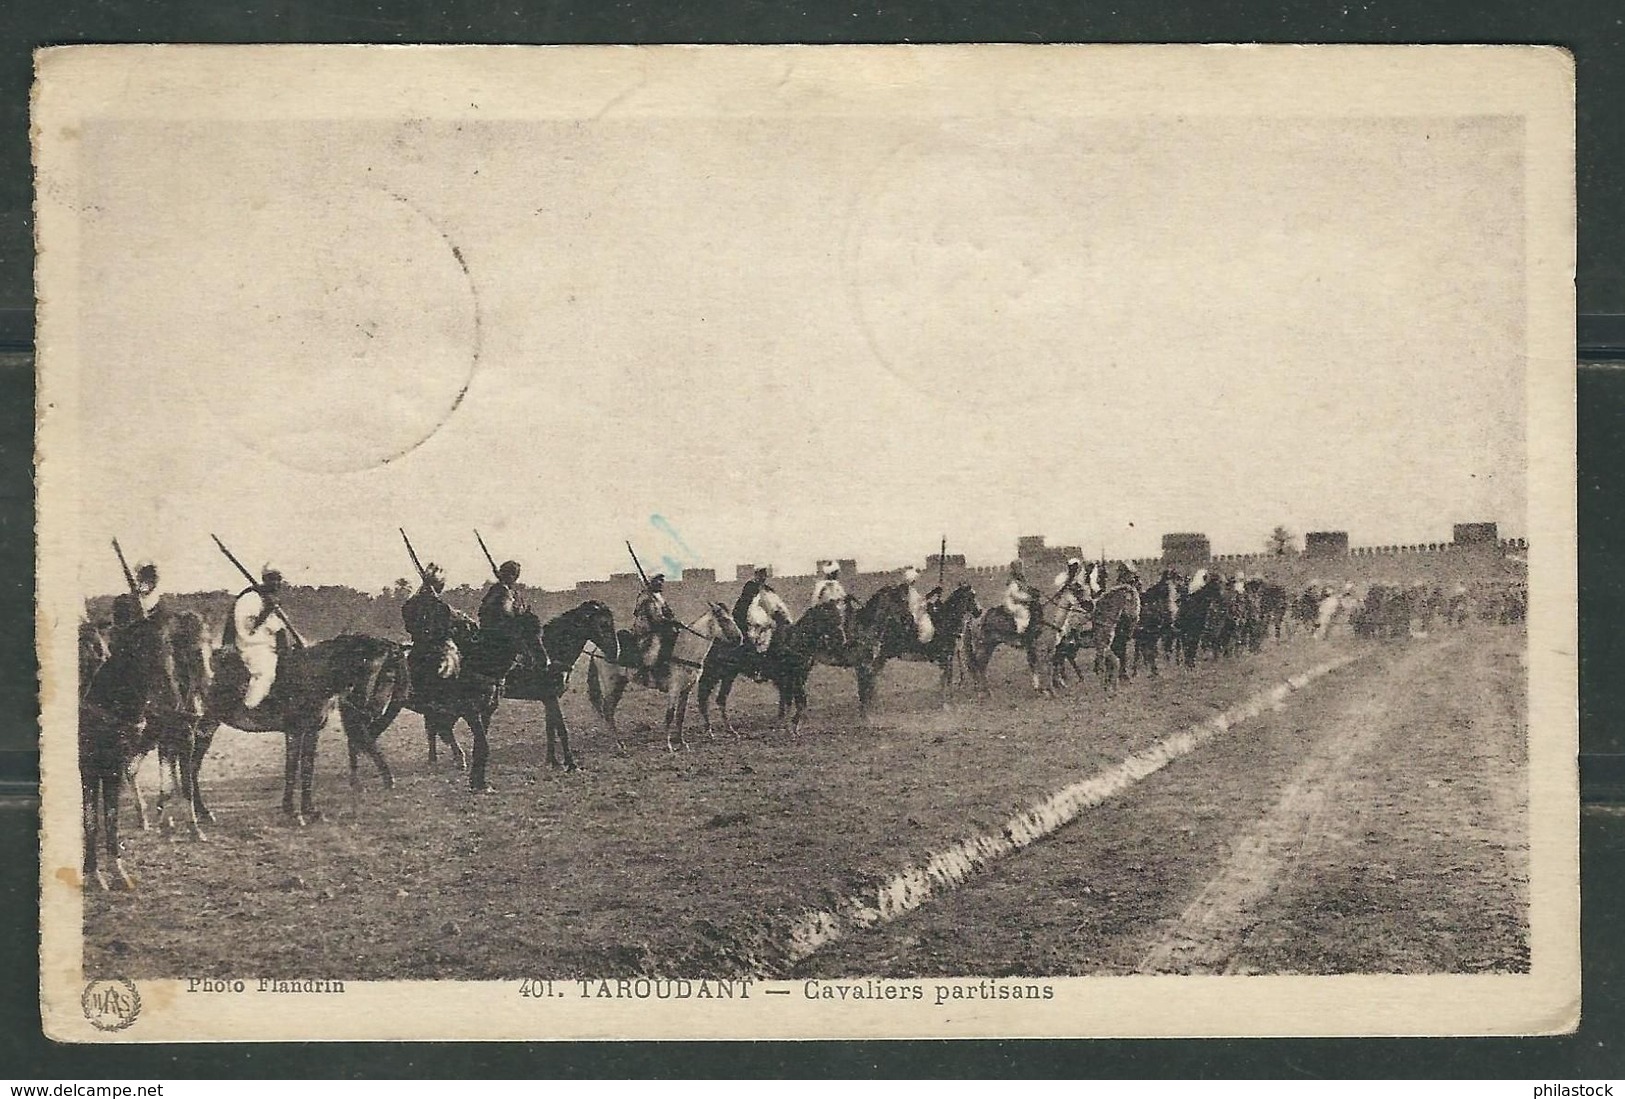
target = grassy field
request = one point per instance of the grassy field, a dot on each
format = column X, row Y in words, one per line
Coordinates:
column 642, row 863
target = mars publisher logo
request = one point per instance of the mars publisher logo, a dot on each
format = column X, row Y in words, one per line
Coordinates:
column 111, row 1004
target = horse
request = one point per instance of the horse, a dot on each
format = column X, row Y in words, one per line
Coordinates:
column 1200, row 619
column 1154, row 633
column 879, row 628
column 949, row 619
column 1250, row 625
column 994, row 627
column 471, row 690
column 105, row 748
column 566, row 636
column 1329, row 609
column 693, row 644
column 148, row 678
column 363, row 679
column 1272, row 606
column 1117, row 615
column 779, row 664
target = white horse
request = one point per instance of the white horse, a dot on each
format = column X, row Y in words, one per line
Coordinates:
column 682, row 671
column 766, row 611
column 1333, row 608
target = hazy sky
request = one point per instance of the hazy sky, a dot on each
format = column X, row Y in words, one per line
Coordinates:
column 793, row 338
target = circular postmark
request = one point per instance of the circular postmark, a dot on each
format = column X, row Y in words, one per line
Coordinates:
column 111, row 1003
column 971, row 268
column 342, row 329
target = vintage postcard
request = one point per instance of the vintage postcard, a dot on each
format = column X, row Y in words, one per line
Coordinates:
column 753, row 542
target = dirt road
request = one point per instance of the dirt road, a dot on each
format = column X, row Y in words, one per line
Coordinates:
column 1376, row 824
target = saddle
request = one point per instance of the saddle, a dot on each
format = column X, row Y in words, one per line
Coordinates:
column 229, row 686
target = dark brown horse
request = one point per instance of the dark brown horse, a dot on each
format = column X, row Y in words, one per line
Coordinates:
column 105, row 747
column 949, row 619
column 363, row 679
column 472, row 692
column 880, row 629
column 566, row 636
column 1200, row 623
column 152, row 681
column 1272, row 607
column 1159, row 609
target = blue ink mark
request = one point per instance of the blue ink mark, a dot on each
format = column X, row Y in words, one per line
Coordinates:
column 684, row 555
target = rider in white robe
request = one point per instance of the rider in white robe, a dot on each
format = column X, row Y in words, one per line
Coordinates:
column 1069, row 597
column 257, row 627
column 924, row 627
column 829, row 589
column 1019, row 598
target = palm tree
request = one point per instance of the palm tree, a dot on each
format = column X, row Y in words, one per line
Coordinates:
column 1281, row 541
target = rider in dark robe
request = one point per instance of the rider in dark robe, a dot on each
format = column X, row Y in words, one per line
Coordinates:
column 435, row 629
column 502, row 602
column 137, row 628
column 747, row 595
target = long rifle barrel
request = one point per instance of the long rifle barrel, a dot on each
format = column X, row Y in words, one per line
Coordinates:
column 489, row 560
column 275, row 606
column 416, row 564
column 638, row 564
column 129, row 577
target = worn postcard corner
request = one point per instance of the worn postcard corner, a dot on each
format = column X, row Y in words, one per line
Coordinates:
column 786, row 542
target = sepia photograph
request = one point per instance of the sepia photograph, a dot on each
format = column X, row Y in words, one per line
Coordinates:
column 736, row 542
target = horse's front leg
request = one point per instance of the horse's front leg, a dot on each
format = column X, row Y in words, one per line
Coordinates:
column 184, row 754
column 202, row 738
column 358, row 736
column 90, row 790
column 110, row 794
column 674, row 716
column 723, row 689
column 307, row 775
column 292, row 743
column 129, row 773
column 555, row 720
column 479, row 720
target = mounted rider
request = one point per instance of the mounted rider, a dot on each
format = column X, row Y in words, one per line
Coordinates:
column 259, row 633
column 743, row 606
column 1128, row 574
column 921, row 606
column 829, row 589
column 141, row 602
column 654, row 626
column 435, row 629
column 1020, row 598
column 503, row 603
column 1071, row 596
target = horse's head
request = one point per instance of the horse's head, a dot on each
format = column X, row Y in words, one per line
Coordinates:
column 94, row 651
column 961, row 605
column 591, row 621
column 723, row 626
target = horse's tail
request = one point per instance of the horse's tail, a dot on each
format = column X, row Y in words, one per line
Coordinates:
column 595, row 689
column 388, row 707
column 193, row 662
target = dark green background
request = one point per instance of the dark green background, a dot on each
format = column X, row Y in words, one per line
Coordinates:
column 1594, row 30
